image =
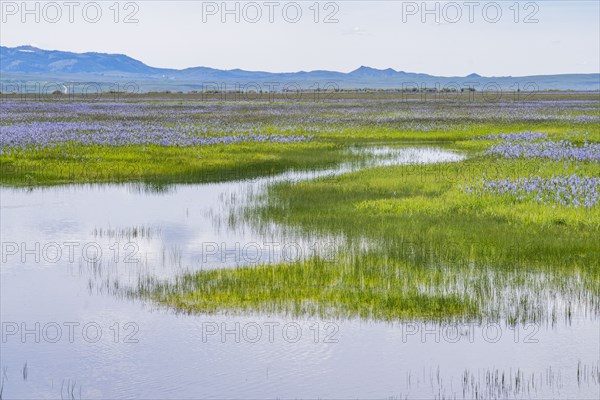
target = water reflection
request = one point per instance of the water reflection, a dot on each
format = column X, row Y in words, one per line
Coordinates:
column 69, row 251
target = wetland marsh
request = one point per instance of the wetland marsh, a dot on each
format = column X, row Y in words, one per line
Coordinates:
column 364, row 245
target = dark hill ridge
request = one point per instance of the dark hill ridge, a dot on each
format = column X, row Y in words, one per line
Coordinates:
column 30, row 64
column 28, row 59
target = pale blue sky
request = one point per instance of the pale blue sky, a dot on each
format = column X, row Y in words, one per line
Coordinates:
column 566, row 38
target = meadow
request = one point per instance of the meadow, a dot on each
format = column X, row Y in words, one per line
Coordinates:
column 509, row 233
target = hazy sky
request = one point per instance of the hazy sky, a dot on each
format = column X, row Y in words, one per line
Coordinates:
column 547, row 37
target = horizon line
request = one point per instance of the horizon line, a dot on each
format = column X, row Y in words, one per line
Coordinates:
column 300, row 71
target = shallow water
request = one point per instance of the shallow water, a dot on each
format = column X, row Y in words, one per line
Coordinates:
column 65, row 248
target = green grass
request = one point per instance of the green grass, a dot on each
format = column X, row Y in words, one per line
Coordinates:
column 434, row 252
column 337, row 121
column 162, row 165
column 415, row 245
column 364, row 287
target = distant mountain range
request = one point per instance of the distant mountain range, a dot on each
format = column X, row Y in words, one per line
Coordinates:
column 25, row 64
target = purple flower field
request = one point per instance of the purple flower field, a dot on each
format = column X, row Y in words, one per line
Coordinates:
column 42, row 134
column 535, row 145
column 570, row 191
column 39, row 125
column 553, row 150
column 197, row 123
column 521, row 136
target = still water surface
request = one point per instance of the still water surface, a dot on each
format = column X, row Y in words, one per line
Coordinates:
column 91, row 343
